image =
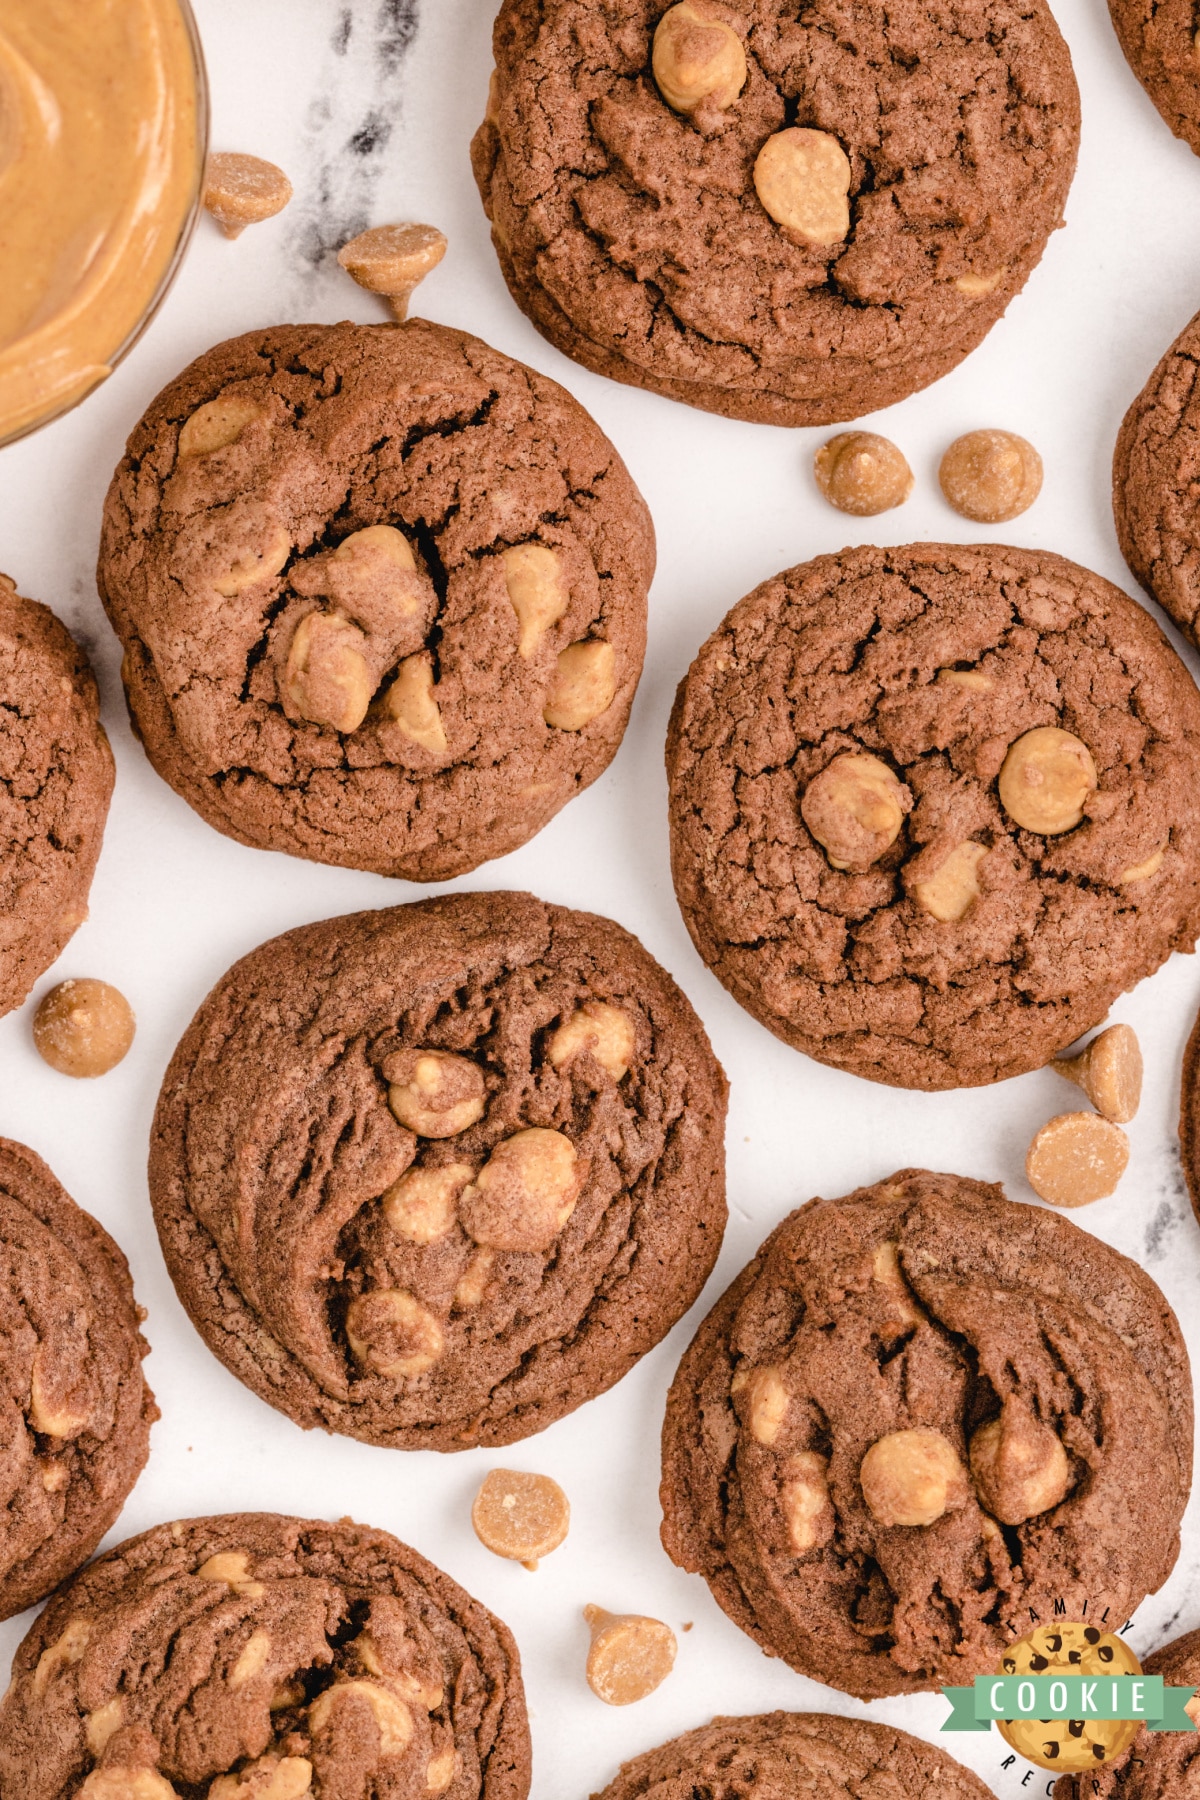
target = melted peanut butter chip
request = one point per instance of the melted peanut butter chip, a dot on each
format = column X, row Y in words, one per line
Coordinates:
column 1046, row 778
column 409, row 702
column 242, row 190
column 697, row 57
column 423, row 1205
column 392, row 1334
column 950, row 892
column 392, row 1719
column 525, row 1192
column 862, row 473
column 583, row 685
column 1075, row 1159
column 267, row 1778
column 766, row 1405
column 433, row 1092
column 217, row 424
column 630, row 1656
column 117, row 1782
column 1142, row 871
column 1019, row 1466
column 327, row 679
column 83, row 1028
column 802, row 178
column 599, row 1030
column 805, row 1503
column 912, row 1477
column 854, row 809
column 393, row 260
column 1110, row 1073
column 533, row 577
column 519, row 1516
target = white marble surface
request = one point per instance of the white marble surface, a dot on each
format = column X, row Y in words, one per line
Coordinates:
column 370, row 107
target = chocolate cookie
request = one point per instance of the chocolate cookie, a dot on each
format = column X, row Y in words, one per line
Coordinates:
column 793, row 214
column 56, row 780
column 934, row 808
column 436, row 1175
column 253, row 1657
column 1162, row 47
column 1160, row 1765
column 1189, row 1117
column 920, row 1412
column 1156, row 469
column 75, row 1414
column 382, row 593
column 776, row 1756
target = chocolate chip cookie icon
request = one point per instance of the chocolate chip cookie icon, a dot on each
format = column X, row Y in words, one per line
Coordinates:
column 1070, row 1744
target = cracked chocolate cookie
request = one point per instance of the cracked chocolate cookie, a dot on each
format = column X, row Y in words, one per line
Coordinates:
column 778, row 1755
column 436, row 1175
column 920, row 1412
column 1156, row 469
column 1161, row 41
column 253, row 1657
column 382, row 594
column 933, row 808
column 56, row 780
column 794, row 214
column 1160, row 1765
column 75, row 1411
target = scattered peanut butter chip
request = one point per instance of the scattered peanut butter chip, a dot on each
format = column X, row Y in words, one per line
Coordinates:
column 1046, row 777
column 991, row 476
column 802, row 178
column 243, row 190
column 83, row 1028
column 1076, row 1158
column 519, row 1516
column 393, row 260
column 1109, row 1071
column 630, row 1656
column 861, row 473
column 697, row 57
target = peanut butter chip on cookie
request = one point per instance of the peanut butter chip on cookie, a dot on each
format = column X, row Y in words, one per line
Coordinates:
column 583, row 685
column 1019, row 1466
column 1109, row 1071
column 327, row 679
column 802, row 178
column 1076, row 1158
column 393, row 260
column 855, row 808
column 519, row 1516
column 1045, row 780
column 603, row 1031
column 267, row 1778
column 913, row 1477
column 697, row 57
column 392, row 1334
column 950, row 892
column 433, row 1092
column 242, row 190
column 525, row 1192
column 630, row 1655
column 991, row 476
column 121, row 1782
column 861, row 473
column 217, row 424
column 534, row 579
column 83, row 1028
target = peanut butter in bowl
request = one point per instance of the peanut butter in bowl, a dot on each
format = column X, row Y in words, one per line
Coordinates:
column 103, row 120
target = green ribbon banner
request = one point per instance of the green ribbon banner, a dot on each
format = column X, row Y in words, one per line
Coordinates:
column 1144, row 1697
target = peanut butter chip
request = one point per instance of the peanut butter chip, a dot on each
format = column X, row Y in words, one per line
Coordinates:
column 974, row 286
column 533, row 577
column 805, row 1503
column 267, row 1778
column 327, row 680
column 1019, row 1466
column 950, row 892
column 433, row 1092
column 243, row 190
column 423, row 1205
column 802, row 178
column 525, row 1192
column 855, row 808
column 583, row 686
column 974, row 681
column 1046, row 778
column 392, row 1719
column 409, row 702
column 603, row 1031
column 1110, row 1073
column 913, row 1477
column 217, row 424
column 115, row 1782
column 863, row 474
column 393, row 260
column 260, row 562
column 766, row 1405
column 991, row 476
column 1142, row 871
column 630, row 1656
column 522, row 1517
column 83, row 1028
column 392, row 1334
column 697, row 57
column 1076, row 1158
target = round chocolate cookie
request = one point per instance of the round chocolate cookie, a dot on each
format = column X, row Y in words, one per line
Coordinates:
column 382, row 593
column 922, row 1411
column 75, row 1411
column 933, row 808
column 1162, row 47
column 1161, row 1765
column 56, row 780
column 792, row 214
column 1156, row 469
column 779, row 1755
column 1189, row 1117
column 434, row 1176
column 253, row 1657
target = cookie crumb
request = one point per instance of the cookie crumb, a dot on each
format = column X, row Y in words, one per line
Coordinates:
column 520, row 1516
column 83, row 1028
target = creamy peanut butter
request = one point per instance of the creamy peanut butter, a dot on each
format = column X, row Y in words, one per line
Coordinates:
column 101, row 145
